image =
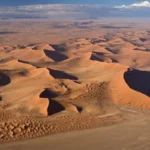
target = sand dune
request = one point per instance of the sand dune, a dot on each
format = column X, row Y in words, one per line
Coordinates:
column 75, row 84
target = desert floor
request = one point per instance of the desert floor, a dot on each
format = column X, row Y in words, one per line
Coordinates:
column 133, row 135
column 70, row 76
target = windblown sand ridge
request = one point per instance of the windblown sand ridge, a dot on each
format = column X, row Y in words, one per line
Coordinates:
column 82, row 83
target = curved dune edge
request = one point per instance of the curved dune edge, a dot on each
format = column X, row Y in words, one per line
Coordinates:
column 125, row 96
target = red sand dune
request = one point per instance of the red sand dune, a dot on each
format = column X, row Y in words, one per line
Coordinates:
column 67, row 85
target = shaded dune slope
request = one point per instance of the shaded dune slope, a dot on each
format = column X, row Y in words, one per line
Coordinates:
column 124, row 95
column 4, row 79
column 138, row 80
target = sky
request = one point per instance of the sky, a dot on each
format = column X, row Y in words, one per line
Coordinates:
column 102, row 2
column 73, row 9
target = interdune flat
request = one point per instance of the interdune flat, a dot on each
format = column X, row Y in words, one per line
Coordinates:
column 60, row 82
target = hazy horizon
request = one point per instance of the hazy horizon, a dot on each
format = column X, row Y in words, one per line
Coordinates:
column 87, row 10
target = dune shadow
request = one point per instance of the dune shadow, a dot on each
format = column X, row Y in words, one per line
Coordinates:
column 138, row 80
column 96, row 41
column 83, row 27
column 4, row 79
column 87, row 22
column 29, row 63
column 5, row 60
column 80, row 109
column 7, row 32
column 48, row 94
column 56, row 56
column 60, row 26
column 24, row 62
column 58, row 48
column 114, row 60
column 138, row 49
column 94, row 57
column 100, row 53
column 61, row 75
column 97, row 56
column 101, row 58
column 142, row 50
column 114, row 27
column 32, row 44
column 21, row 47
column 112, row 50
column 54, row 106
column 143, row 39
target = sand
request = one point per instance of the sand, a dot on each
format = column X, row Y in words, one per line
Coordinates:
column 127, row 136
column 80, row 81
